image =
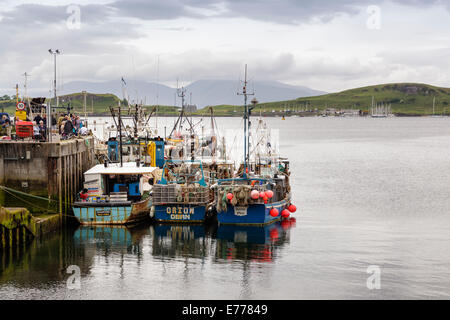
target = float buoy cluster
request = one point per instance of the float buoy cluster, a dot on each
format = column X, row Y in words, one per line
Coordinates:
column 264, row 195
column 286, row 213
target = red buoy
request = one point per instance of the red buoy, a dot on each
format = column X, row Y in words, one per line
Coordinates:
column 274, row 212
column 269, row 193
column 292, row 208
column 262, row 194
column 285, row 213
column 230, row 196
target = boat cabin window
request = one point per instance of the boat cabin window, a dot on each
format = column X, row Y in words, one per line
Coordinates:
column 123, row 183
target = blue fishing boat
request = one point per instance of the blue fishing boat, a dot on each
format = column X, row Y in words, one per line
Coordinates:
column 118, row 193
column 260, row 194
column 182, row 194
column 253, row 201
column 115, row 194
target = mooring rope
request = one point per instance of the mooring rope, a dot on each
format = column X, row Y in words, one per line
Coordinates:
column 32, row 204
column 26, row 194
column 10, row 191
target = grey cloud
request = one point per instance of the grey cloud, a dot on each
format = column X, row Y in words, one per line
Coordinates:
column 29, row 15
column 151, row 10
column 34, row 25
column 30, row 29
column 280, row 11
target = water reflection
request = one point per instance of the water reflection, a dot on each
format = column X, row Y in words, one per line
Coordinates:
column 110, row 239
column 250, row 243
column 176, row 241
column 43, row 263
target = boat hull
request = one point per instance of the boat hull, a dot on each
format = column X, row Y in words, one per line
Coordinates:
column 125, row 213
column 184, row 213
column 255, row 214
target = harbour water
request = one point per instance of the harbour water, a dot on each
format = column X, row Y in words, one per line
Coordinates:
column 369, row 192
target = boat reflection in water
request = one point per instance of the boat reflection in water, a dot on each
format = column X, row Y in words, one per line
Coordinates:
column 169, row 241
column 249, row 243
column 113, row 239
column 111, row 257
column 182, row 240
column 222, row 243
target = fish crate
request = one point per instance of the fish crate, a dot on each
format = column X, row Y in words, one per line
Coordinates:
column 164, row 193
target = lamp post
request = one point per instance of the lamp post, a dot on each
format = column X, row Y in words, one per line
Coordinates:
column 54, row 53
column 49, row 113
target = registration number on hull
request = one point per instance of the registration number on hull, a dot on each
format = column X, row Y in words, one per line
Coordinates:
column 240, row 211
column 103, row 213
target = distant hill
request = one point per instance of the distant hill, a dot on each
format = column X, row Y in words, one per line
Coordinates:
column 146, row 91
column 96, row 103
column 219, row 92
column 405, row 99
column 204, row 92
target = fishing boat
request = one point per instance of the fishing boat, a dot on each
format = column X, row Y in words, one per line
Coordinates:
column 115, row 194
column 254, row 199
column 139, row 143
column 192, row 163
column 260, row 193
column 182, row 194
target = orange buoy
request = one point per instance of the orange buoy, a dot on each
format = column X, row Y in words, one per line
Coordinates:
column 285, row 213
column 274, row 212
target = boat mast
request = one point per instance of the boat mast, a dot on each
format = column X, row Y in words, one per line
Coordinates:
column 157, row 94
column 246, row 123
column 183, row 114
column 26, row 75
column 180, row 93
column 120, row 136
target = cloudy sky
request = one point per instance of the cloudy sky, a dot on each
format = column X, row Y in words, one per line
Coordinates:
column 328, row 45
